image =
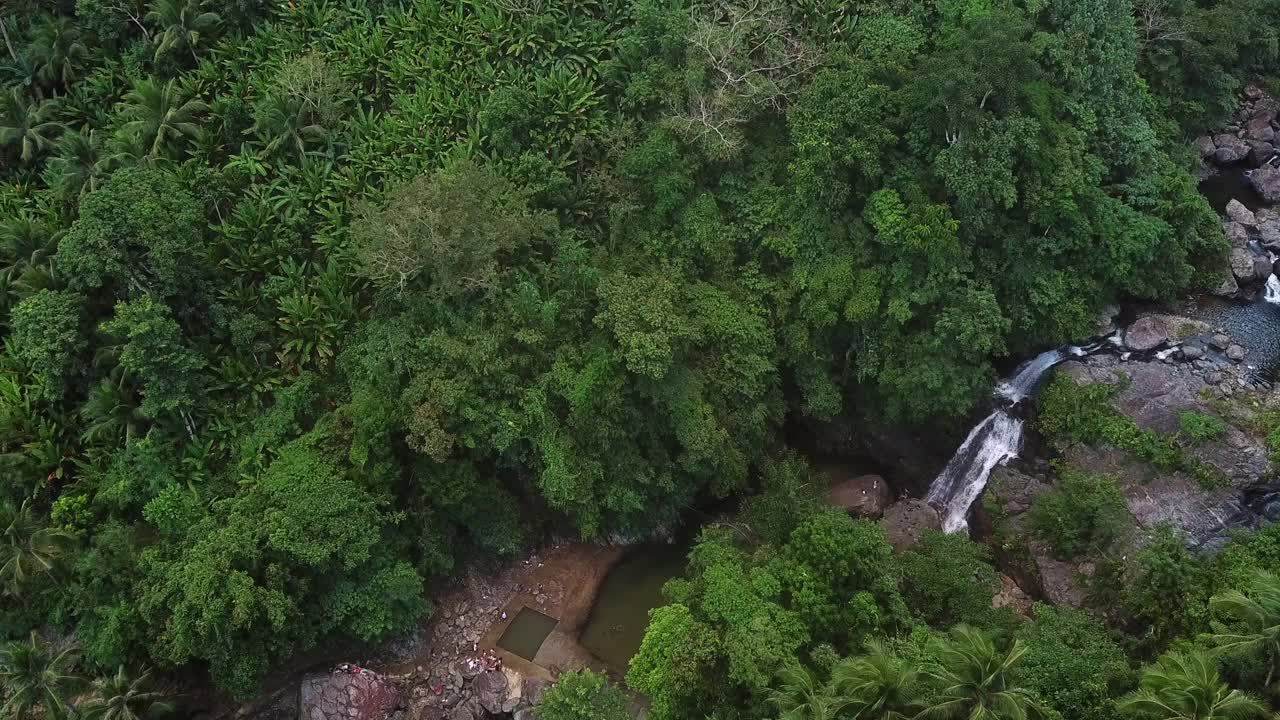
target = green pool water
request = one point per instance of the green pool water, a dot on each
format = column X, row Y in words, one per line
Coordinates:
column 526, row 632
column 621, row 611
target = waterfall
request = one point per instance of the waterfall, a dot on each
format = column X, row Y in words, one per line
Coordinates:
column 1272, row 292
column 1028, row 374
column 996, row 440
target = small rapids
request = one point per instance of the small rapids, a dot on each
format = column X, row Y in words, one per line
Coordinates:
column 1272, row 292
column 994, row 441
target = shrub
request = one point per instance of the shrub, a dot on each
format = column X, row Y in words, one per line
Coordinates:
column 1073, row 663
column 1082, row 413
column 1200, row 427
column 948, row 579
column 1083, row 515
column 1168, row 591
column 582, row 695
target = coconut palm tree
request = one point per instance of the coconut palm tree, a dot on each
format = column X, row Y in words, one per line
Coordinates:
column 1254, row 629
column 122, row 697
column 801, row 696
column 111, row 412
column 27, row 548
column 1186, row 686
column 76, row 167
column 182, row 24
column 283, row 124
column 975, row 679
column 26, row 126
column 876, row 686
column 37, row 675
column 58, row 51
column 158, row 116
column 25, row 243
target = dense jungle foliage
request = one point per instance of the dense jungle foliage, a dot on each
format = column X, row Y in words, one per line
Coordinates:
column 305, row 303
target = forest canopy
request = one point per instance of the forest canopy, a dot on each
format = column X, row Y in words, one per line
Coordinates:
column 305, row 304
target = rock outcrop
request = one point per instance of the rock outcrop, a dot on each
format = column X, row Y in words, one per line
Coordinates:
column 1009, row 495
column 1251, row 138
column 353, row 695
column 1155, row 395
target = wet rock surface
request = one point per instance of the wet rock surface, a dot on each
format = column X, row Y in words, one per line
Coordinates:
column 1156, row 395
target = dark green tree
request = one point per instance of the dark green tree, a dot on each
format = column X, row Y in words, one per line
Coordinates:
column 151, row 349
column 46, row 338
column 141, row 233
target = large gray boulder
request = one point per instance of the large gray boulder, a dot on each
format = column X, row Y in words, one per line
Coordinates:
column 906, row 520
column 1266, row 180
column 1260, row 152
column 1237, row 212
column 1151, row 331
column 1231, row 149
column 491, row 690
column 1242, row 264
column 1063, row 583
column 1269, row 232
column 360, row 695
column 864, row 496
column 1259, row 128
column 1228, row 287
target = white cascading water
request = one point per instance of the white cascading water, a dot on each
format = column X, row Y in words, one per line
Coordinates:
column 1272, row 292
column 1027, row 376
column 995, row 441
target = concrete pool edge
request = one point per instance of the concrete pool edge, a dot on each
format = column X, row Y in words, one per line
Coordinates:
column 560, row 650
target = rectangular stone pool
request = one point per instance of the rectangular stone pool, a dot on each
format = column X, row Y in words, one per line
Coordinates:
column 526, row 632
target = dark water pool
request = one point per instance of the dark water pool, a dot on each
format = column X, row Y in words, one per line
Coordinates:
column 621, row 612
column 1227, row 184
column 526, row 632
